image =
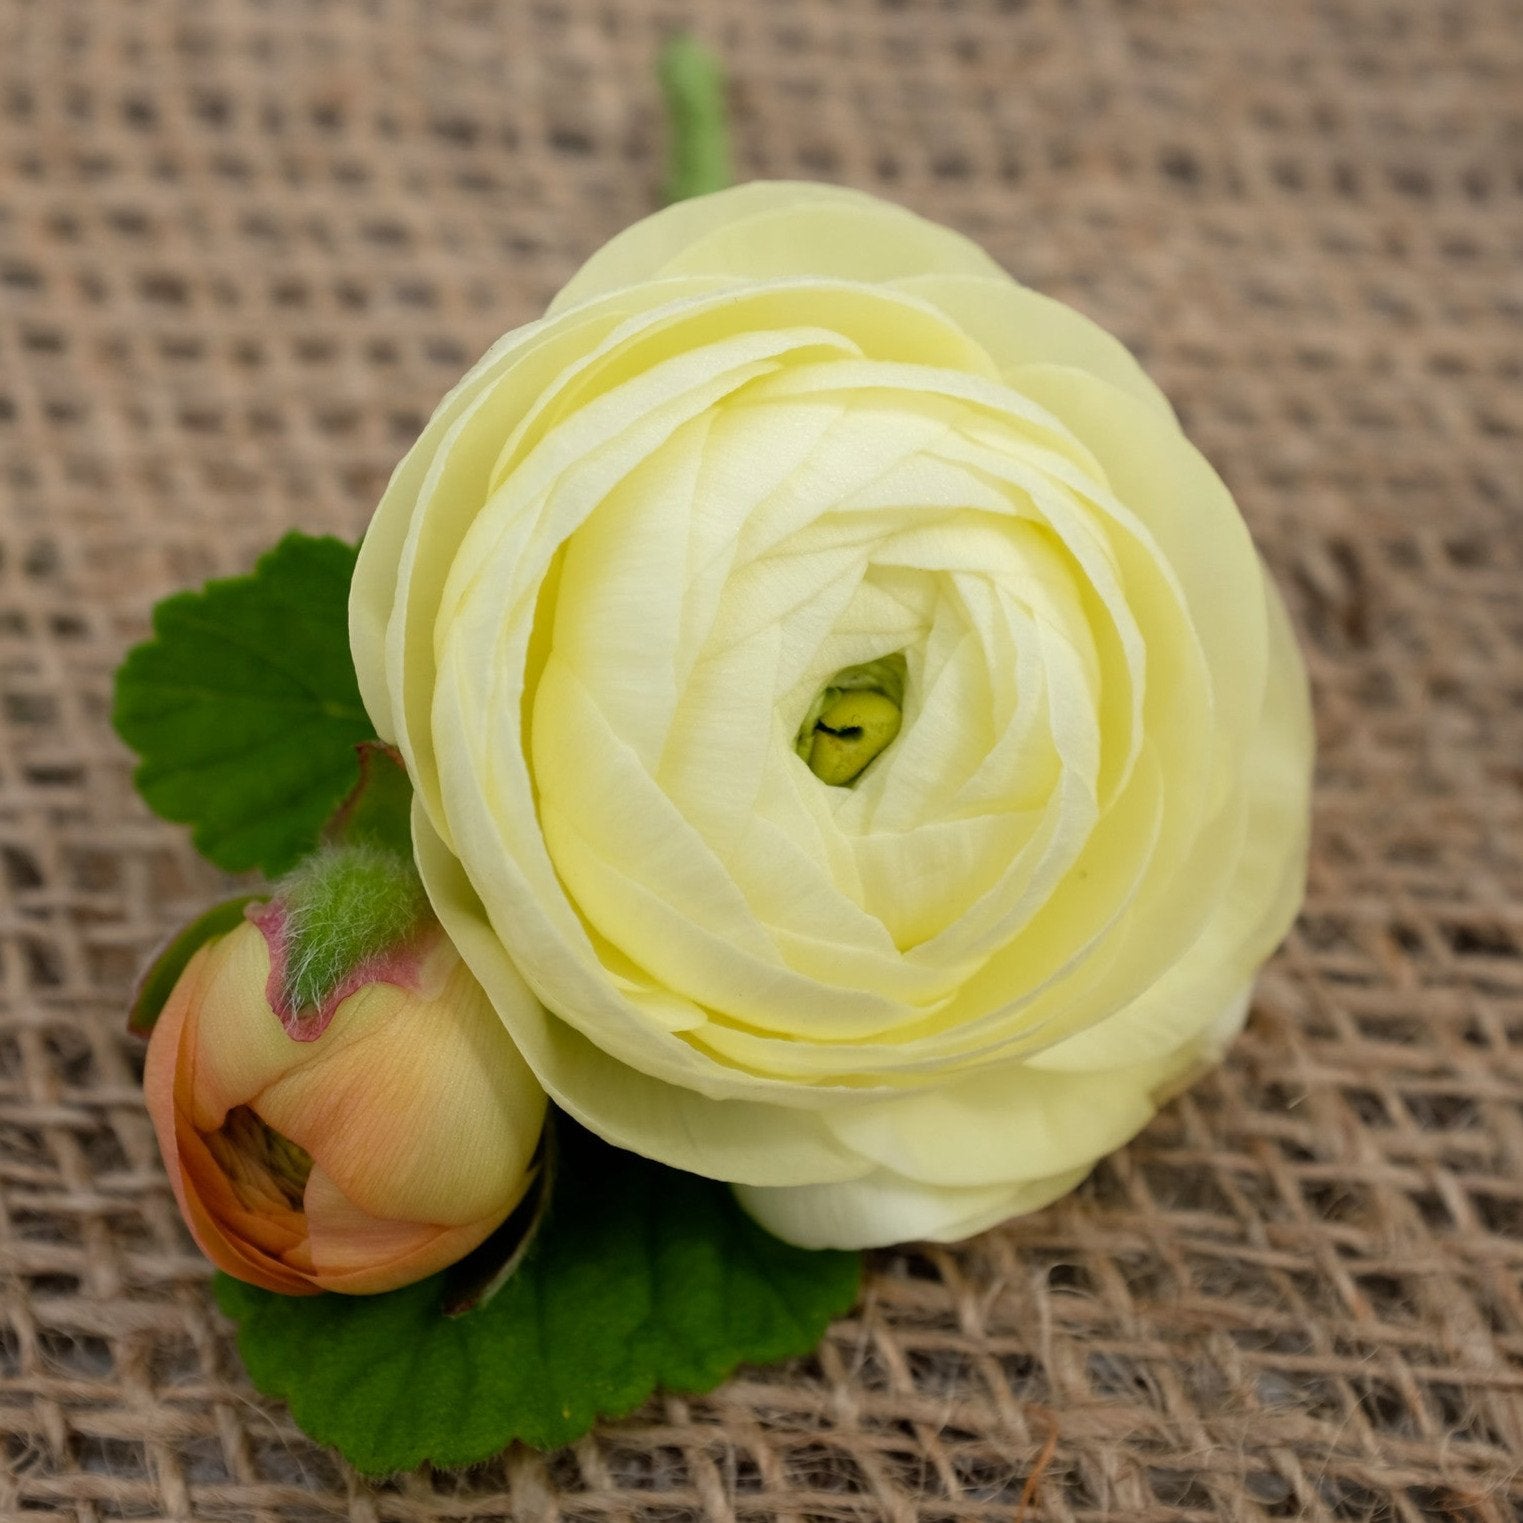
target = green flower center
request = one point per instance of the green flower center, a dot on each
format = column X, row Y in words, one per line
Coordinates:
column 853, row 720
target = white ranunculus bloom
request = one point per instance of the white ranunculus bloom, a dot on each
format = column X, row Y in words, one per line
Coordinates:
column 856, row 744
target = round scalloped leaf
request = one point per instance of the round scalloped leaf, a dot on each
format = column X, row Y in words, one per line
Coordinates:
column 244, row 707
column 640, row 1277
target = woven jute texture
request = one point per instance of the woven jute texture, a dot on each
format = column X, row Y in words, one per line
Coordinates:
column 245, row 245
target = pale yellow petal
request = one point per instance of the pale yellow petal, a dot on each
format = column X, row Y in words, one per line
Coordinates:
column 1002, row 1124
column 707, row 1125
column 883, row 1208
column 1021, row 327
column 1168, row 485
column 1258, row 904
column 650, row 247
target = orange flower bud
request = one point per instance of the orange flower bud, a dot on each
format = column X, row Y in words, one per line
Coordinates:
column 366, row 1157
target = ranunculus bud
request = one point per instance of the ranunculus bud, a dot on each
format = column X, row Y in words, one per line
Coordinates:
column 355, row 1146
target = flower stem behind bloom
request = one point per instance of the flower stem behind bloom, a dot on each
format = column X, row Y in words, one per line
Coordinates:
column 698, row 154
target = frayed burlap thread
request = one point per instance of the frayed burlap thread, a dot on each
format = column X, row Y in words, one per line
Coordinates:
column 245, row 245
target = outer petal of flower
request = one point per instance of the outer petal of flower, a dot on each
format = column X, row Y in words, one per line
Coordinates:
column 351, row 1251
column 374, row 588
column 368, row 1110
column 949, row 1165
column 885, row 1208
column 236, row 1044
column 1021, row 327
column 764, row 229
column 209, row 1207
column 1171, row 488
column 1001, row 1124
column 1260, row 902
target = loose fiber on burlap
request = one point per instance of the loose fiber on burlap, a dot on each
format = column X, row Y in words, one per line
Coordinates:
column 245, row 245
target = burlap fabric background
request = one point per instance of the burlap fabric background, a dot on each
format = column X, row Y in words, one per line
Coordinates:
column 244, row 247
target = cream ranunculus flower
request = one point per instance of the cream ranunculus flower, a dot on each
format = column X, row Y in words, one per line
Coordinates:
column 856, row 744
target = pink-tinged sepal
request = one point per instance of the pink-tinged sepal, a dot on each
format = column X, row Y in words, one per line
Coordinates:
column 399, row 964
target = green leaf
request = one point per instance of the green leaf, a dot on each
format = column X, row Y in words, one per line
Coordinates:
column 640, row 1277
column 163, row 973
column 244, row 706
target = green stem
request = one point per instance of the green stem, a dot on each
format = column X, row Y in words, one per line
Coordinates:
column 698, row 134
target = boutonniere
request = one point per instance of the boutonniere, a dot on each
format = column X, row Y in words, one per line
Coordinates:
column 830, row 765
